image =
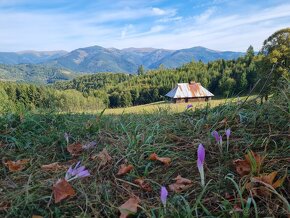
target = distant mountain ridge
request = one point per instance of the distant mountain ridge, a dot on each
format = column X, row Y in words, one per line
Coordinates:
column 29, row 57
column 98, row 59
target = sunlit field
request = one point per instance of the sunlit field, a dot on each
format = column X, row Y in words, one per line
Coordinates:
column 172, row 107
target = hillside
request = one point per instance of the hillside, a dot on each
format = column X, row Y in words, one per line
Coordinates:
column 34, row 73
column 99, row 59
column 29, row 57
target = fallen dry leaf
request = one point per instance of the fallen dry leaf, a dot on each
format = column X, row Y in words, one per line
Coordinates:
column 164, row 160
column 243, row 167
column 144, row 185
column 180, row 184
column 124, row 169
column 104, row 157
column 258, row 185
column 129, row 207
column 75, row 149
column 61, row 190
column 53, row 167
column 15, row 166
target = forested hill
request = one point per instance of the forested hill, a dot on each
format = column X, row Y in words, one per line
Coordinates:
column 32, row 73
column 98, row 59
column 29, row 57
column 222, row 77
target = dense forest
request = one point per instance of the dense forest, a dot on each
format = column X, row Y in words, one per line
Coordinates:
column 19, row 97
column 221, row 77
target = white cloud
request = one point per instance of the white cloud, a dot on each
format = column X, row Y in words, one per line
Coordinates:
column 205, row 15
column 166, row 29
column 127, row 29
column 157, row 29
column 169, row 19
column 158, row 11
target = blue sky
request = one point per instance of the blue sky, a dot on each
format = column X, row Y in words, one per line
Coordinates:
column 70, row 24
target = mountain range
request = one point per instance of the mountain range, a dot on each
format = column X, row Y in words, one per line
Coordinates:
column 96, row 59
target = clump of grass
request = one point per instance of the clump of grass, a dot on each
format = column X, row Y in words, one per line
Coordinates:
column 131, row 138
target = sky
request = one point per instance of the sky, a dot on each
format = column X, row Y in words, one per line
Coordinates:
column 226, row 25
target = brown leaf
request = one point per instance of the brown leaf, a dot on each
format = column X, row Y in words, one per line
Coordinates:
column 75, row 149
column 61, row 190
column 129, row 207
column 164, row 160
column 182, row 180
column 145, row 186
column 104, row 157
column 280, row 181
column 53, row 167
column 259, row 189
column 15, row 166
column 243, row 167
column 124, row 169
column 180, row 184
column 36, row 216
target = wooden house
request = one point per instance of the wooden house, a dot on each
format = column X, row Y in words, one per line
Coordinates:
column 189, row 92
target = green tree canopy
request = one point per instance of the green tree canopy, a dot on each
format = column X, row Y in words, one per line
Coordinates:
column 275, row 54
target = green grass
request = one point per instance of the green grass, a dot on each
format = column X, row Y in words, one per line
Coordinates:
column 168, row 106
column 132, row 137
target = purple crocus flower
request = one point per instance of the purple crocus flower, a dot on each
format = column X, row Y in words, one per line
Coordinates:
column 163, row 195
column 200, row 162
column 77, row 172
column 189, row 106
column 200, row 156
column 228, row 133
column 216, row 135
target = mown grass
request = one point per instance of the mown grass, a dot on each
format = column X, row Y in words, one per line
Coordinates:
column 131, row 138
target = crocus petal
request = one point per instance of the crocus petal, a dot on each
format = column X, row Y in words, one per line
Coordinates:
column 199, row 164
column 189, row 106
column 163, row 195
column 228, row 133
column 201, row 153
column 68, row 173
column 79, row 170
column 215, row 134
column 84, row 173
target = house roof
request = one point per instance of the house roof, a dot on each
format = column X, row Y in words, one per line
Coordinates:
column 189, row 90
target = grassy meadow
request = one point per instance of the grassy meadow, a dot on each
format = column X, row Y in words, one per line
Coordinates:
column 168, row 106
column 130, row 139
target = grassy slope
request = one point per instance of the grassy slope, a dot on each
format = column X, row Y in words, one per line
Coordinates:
column 162, row 105
column 132, row 138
